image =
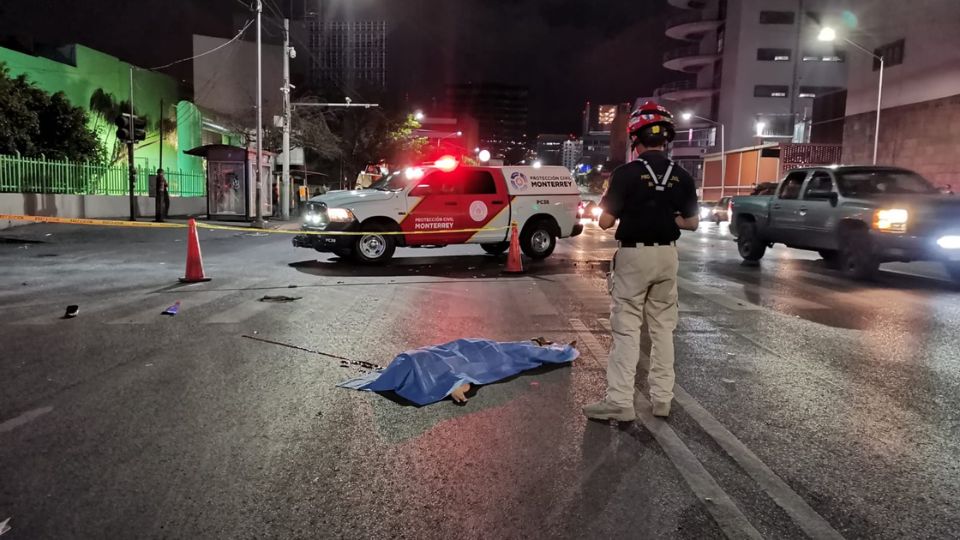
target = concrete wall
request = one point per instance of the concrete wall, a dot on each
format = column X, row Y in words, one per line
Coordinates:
column 921, row 136
column 931, row 58
column 90, row 206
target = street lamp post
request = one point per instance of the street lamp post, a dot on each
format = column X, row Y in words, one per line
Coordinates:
column 447, row 136
column 829, row 34
column 723, row 150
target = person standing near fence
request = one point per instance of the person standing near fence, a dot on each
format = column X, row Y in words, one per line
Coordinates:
column 163, row 191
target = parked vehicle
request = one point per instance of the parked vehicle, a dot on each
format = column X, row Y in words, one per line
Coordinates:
column 589, row 210
column 855, row 217
column 444, row 204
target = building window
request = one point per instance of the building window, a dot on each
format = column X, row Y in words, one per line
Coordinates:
column 776, row 17
column 771, row 90
column 892, row 54
column 816, row 91
column 773, row 55
column 824, row 55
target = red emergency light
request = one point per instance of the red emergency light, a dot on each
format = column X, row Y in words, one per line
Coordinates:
column 446, row 163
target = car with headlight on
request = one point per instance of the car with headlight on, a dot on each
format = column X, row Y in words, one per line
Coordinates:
column 590, row 210
column 442, row 204
column 716, row 211
column 856, row 217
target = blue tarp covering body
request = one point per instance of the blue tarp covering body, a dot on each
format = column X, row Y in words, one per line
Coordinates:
column 429, row 374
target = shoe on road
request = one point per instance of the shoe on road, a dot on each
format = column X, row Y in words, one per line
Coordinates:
column 604, row 410
column 661, row 409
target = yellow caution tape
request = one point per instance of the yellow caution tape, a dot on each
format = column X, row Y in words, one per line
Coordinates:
column 96, row 222
column 149, row 224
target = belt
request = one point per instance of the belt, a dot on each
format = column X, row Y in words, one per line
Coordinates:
column 645, row 244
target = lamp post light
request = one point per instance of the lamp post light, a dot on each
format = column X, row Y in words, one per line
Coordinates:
column 830, row 35
column 687, row 116
column 418, row 116
column 484, row 156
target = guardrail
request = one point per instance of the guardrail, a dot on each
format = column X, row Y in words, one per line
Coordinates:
column 39, row 175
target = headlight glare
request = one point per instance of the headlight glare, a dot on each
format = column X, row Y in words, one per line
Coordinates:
column 891, row 220
column 339, row 214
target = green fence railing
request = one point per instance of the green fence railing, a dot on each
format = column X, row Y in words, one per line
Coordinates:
column 32, row 175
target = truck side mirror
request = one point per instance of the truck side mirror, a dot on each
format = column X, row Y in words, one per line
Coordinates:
column 834, row 198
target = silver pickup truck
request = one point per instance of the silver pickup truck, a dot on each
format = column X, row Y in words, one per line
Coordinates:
column 855, row 217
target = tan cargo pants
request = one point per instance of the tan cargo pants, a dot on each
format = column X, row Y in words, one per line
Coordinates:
column 643, row 284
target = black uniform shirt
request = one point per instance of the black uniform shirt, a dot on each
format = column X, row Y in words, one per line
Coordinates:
column 647, row 214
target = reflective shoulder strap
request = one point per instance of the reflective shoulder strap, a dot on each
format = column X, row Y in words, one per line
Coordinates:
column 666, row 176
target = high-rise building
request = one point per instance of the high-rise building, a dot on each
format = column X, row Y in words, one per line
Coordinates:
column 753, row 65
column 347, row 55
column 501, row 112
column 605, row 133
column 571, row 153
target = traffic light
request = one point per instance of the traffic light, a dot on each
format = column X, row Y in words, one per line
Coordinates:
column 123, row 128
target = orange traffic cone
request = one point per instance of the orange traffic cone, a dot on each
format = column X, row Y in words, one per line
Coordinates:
column 514, row 264
column 194, row 261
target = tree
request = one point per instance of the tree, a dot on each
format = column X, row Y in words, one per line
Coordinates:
column 35, row 123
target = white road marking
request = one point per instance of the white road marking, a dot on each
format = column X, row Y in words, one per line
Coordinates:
column 24, row 418
column 802, row 514
column 730, row 519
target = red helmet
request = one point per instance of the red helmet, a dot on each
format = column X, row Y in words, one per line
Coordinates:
column 653, row 116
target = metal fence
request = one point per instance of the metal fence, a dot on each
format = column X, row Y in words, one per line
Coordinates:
column 32, row 175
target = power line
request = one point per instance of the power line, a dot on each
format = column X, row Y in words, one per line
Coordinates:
column 215, row 49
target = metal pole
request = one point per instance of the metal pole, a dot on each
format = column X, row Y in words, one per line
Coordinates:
column 723, row 160
column 285, row 183
column 258, row 222
column 876, row 133
column 158, row 204
column 133, row 169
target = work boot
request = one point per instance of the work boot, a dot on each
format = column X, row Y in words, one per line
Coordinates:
column 604, row 410
column 661, row 409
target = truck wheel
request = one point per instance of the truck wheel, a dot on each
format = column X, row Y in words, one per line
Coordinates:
column 538, row 239
column 856, row 256
column 496, row 248
column 749, row 243
column 374, row 248
column 716, row 218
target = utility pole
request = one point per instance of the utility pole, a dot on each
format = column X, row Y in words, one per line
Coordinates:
column 285, row 183
column 258, row 222
column 133, row 168
column 158, row 204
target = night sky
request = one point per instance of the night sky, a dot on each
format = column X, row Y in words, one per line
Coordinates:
column 566, row 51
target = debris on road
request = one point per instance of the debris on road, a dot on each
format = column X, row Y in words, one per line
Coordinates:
column 172, row 310
column 304, row 349
column 728, row 381
column 72, row 311
column 430, row 374
column 280, row 299
column 4, row 526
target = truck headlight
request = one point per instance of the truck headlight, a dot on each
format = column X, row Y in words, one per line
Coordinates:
column 339, row 214
column 312, row 218
column 705, row 212
column 891, row 220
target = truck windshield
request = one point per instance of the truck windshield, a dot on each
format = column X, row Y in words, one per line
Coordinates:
column 393, row 182
column 882, row 182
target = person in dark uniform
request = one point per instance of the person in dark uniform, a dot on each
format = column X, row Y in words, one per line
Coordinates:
column 163, row 188
column 653, row 198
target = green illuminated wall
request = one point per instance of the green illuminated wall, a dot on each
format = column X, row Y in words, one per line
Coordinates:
column 93, row 80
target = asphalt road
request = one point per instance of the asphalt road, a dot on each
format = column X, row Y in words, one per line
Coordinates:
column 809, row 406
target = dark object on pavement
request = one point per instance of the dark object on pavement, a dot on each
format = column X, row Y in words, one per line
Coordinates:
column 72, row 311
column 172, row 310
column 304, row 349
column 429, row 374
column 280, row 299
